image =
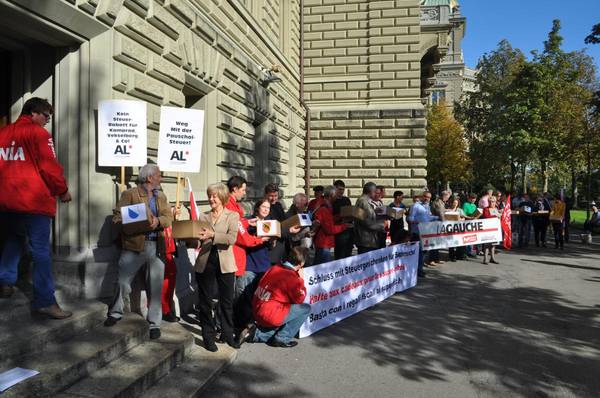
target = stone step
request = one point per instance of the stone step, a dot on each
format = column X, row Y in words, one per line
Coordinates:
column 198, row 370
column 62, row 364
column 22, row 334
column 138, row 369
column 20, row 303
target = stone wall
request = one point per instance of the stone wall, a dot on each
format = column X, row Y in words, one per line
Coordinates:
column 362, row 62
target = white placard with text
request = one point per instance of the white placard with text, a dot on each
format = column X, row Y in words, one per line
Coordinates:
column 122, row 136
column 180, row 139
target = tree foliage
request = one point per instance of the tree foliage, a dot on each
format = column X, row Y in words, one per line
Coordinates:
column 530, row 116
column 447, row 159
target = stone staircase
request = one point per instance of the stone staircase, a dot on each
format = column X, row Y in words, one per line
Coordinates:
column 79, row 357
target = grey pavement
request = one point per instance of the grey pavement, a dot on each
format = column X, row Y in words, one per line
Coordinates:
column 529, row 327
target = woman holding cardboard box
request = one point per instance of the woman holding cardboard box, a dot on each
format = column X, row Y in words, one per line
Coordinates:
column 215, row 266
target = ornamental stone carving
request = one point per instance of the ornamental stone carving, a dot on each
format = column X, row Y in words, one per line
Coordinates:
column 430, row 14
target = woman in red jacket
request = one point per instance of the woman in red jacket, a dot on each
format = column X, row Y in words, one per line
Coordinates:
column 277, row 305
column 489, row 249
column 327, row 229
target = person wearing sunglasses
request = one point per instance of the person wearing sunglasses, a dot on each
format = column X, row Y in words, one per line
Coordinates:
column 32, row 179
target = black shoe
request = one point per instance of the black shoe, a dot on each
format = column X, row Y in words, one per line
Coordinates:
column 246, row 335
column 210, row 344
column 170, row 317
column 453, row 260
column 494, row 262
column 421, row 274
column 544, row 245
column 154, row 333
column 485, row 262
column 111, row 321
column 281, row 344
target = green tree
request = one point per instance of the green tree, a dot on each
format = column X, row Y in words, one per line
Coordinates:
column 594, row 37
column 498, row 146
column 447, row 160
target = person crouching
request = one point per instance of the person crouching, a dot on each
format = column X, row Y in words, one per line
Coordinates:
column 277, row 304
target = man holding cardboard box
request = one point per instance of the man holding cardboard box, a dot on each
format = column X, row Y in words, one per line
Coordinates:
column 143, row 242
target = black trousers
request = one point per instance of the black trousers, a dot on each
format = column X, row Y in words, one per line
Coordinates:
column 365, row 249
column 539, row 231
column 225, row 283
column 343, row 244
column 557, row 227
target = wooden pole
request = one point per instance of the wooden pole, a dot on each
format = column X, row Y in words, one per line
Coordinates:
column 122, row 178
column 177, row 194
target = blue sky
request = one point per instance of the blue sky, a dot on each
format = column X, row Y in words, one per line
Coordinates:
column 526, row 23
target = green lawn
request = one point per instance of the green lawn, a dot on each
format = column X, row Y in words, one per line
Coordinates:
column 578, row 217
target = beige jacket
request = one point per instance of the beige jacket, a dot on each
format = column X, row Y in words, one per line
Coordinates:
column 226, row 230
column 139, row 195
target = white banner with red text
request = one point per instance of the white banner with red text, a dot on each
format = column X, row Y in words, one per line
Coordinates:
column 341, row 288
column 444, row 234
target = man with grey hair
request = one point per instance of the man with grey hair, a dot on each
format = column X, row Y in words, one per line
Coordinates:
column 327, row 230
column 367, row 230
column 141, row 248
column 299, row 203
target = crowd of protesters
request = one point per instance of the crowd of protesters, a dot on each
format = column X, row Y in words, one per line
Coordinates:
column 256, row 282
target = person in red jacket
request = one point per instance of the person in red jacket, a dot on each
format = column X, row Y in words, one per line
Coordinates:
column 317, row 201
column 31, row 180
column 237, row 191
column 278, row 303
column 327, row 229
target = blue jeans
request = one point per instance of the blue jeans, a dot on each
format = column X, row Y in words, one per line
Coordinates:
column 291, row 324
column 245, row 286
column 37, row 229
column 322, row 255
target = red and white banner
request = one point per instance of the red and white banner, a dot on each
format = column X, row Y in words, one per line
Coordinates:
column 441, row 235
column 341, row 288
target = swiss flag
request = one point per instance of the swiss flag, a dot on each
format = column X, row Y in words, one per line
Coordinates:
column 506, row 227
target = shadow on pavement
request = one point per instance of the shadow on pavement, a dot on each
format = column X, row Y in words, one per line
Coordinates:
column 529, row 339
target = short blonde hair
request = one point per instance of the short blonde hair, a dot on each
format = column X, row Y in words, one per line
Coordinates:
column 221, row 190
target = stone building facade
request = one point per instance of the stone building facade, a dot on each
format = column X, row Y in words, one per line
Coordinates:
column 203, row 54
column 369, row 67
column 365, row 65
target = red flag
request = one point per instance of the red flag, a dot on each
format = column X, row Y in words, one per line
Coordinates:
column 194, row 212
column 506, row 227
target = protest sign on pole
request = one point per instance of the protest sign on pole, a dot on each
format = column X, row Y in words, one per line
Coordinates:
column 341, row 288
column 122, row 137
column 444, row 234
column 180, row 139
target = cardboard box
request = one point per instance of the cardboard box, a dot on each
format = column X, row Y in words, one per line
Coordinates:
column 556, row 218
column 135, row 219
column 270, row 228
column 525, row 210
column 189, row 229
column 352, row 212
column 452, row 216
column 514, row 212
column 478, row 213
column 541, row 213
column 302, row 220
column 395, row 213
